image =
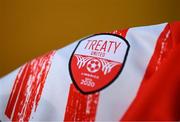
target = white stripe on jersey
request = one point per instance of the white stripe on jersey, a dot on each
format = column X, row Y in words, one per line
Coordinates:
column 115, row 100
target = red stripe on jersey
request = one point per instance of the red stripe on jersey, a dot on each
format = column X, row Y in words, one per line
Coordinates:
column 27, row 88
column 82, row 107
column 164, row 44
column 15, row 91
column 158, row 97
column 120, row 32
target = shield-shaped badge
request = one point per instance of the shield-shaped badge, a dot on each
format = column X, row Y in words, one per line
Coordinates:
column 97, row 61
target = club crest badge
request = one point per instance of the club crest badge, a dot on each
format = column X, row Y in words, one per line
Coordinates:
column 97, row 61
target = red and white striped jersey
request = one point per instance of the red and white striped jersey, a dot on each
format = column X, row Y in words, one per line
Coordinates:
column 129, row 74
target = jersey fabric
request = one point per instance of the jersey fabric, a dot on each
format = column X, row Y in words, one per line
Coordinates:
column 147, row 86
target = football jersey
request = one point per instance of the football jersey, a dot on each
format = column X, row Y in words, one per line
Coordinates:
column 123, row 75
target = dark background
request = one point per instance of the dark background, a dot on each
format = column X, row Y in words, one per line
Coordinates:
column 29, row 28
